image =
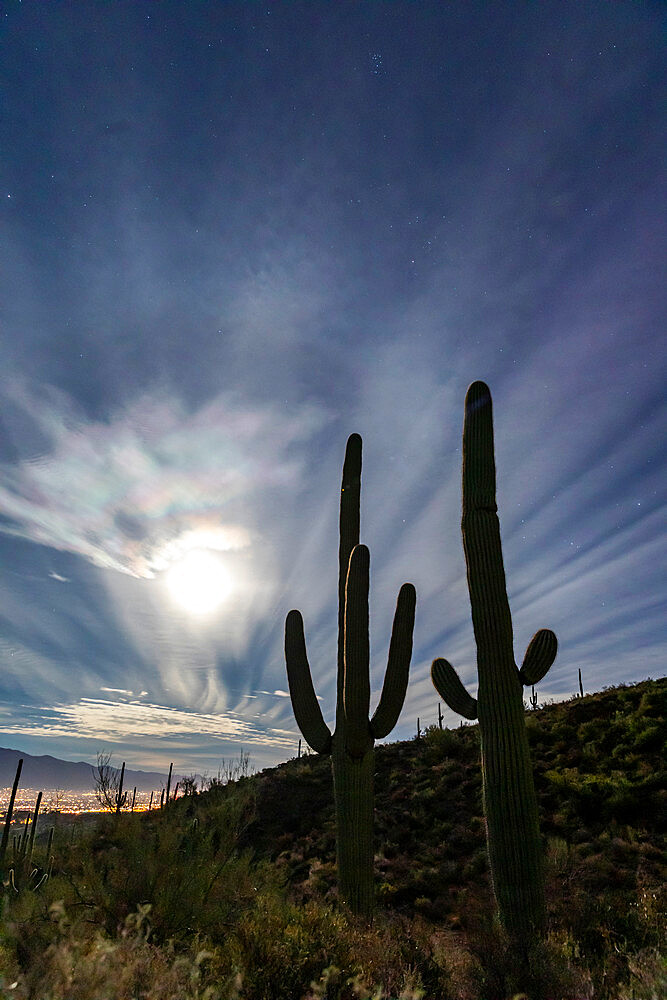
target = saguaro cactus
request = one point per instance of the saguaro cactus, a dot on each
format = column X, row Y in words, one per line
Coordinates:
column 351, row 744
column 22, row 873
column 10, row 810
column 510, row 805
column 121, row 797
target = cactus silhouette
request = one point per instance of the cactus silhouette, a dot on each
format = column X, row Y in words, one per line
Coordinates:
column 351, row 744
column 23, row 874
column 510, row 805
column 8, row 816
column 121, row 797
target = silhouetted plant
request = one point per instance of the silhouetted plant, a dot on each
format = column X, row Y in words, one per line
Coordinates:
column 23, row 874
column 166, row 797
column 515, row 852
column 351, row 744
column 121, row 797
column 10, row 810
column 108, row 782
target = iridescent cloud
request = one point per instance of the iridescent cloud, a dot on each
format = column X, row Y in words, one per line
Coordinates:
column 139, row 490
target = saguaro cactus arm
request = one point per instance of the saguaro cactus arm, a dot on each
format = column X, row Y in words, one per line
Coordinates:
column 540, row 654
column 395, row 684
column 357, row 686
column 448, row 685
column 307, row 711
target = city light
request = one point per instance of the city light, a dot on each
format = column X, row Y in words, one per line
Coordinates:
column 62, row 801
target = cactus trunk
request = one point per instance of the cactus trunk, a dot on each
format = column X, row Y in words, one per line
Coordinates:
column 120, row 801
column 353, row 795
column 33, row 829
column 510, row 807
column 510, row 804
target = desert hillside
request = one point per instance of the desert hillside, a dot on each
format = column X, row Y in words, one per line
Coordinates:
column 231, row 892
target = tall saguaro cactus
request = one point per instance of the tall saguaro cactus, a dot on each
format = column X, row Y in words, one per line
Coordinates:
column 510, row 804
column 351, row 743
column 8, row 816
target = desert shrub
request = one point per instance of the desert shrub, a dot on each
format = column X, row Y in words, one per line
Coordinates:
column 80, row 964
column 281, row 951
column 653, row 702
column 439, row 743
column 647, row 979
column 610, row 929
column 26, row 927
column 534, row 731
column 278, row 949
column 652, row 737
column 187, row 867
column 540, row 970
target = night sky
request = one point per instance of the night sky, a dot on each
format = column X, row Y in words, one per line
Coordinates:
column 233, row 234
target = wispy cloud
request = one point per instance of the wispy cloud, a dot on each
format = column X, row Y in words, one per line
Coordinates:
column 94, row 721
column 131, row 493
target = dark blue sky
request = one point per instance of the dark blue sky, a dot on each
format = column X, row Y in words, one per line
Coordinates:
column 232, row 234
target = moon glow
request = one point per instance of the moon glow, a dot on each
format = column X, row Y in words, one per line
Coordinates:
column 199, row 582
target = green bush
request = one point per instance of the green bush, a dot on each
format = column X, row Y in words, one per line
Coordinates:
column 278, row 948
column 84, row 965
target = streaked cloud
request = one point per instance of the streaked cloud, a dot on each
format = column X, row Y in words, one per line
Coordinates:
column 138, row 490
column 127, row 724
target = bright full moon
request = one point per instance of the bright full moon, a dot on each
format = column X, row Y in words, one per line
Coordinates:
column 198, row 582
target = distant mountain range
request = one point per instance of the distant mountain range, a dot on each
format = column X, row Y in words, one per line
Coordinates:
column 47, row 772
